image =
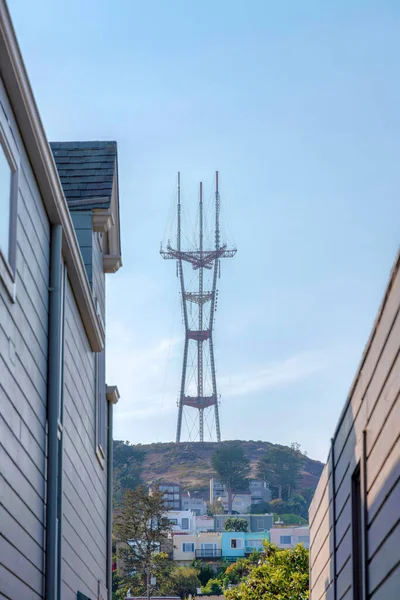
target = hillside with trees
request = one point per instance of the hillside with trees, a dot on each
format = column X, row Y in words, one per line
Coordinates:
column 193, row 464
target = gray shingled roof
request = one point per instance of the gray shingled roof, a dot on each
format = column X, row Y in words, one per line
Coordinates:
column 86, row 171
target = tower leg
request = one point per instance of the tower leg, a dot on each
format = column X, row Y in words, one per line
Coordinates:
column 182, row 392
column 217, row 427
column 201, row 424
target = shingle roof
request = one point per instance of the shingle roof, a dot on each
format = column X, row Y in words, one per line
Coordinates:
column 86, row 171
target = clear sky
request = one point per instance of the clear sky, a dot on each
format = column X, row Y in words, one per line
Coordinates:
column 297, row 105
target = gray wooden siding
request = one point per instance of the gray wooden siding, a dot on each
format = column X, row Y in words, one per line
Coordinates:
column 82, row 220
column 374, row 406
column 98, row 287
column 84, row 483
column 23, row 383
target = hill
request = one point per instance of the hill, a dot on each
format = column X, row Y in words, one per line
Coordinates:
column 189, row 463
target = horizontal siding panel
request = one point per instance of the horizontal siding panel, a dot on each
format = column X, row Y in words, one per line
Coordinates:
column 85, row 448
column 386, row 519
column 344, row 551
column 320, row 584
column 319, row 494
column 16, row 563
column 84, row 550
column 12, row 427
column 24, row 368
column 343, row 521
column 84, row 495
column 21, row 512
column 84, row 576
column 389, row 588
column 35, row 211
column 385, row 481
column 71, row 581
column 320, row 536
column 21, row 460
column 16, row 535
column 86, row 527
column 383, row 407
column 20, row 484
column 382, row 346
column 80, row 402
column 12, row 587
column 390, row 433
column 344, row 580
column 31, row 409
column 385, row 560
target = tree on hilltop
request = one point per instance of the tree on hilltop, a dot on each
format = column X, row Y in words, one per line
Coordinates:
column 281, row 466
column 233, row 469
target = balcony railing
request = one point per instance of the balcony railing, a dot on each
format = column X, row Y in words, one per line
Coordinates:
column 208, row 553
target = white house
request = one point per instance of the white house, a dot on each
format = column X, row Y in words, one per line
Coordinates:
column 183, row 521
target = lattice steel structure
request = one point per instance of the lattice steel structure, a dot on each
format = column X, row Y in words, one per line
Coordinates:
column 199, row 330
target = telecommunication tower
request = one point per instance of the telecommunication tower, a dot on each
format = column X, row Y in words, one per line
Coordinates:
column 199, row 389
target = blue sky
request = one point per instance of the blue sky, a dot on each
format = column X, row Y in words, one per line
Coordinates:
column 297, row 105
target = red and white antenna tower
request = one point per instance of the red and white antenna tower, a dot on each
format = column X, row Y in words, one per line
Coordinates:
column 199, row 326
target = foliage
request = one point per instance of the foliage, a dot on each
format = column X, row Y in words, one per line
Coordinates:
column 215, row 508
column 233, row 469
column 278, row 575
column 235, row 572
column 236, row 524
column 281, row 468
column 140, row 527
column 212, row 588
column 261, row 508
column 205, row 572
column 184, row 581
column 127, row 469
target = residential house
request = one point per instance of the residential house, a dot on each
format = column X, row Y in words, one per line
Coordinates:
column 242, row 499
column 259, row 491
column 354, row 516
column 183, row 521
column 289, row 537
column 56, row 245
column 255, row 522
column 196, row 504
column 204, row 546
column 203, row 523
column 237, row 544
column 171, row 492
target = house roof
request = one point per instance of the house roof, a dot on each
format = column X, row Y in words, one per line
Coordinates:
column 86, row 171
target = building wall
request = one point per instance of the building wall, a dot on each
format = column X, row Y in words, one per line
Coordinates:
column 23, row 385
column 85, row 481
column 227, row 550
column 367, row 436
column 297, row 535
column 261, row 522
column 197, row 540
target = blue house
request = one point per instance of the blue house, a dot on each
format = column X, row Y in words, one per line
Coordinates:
column 237, row 544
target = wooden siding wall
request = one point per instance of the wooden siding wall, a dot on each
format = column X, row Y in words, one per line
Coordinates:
column 85, row 483
column 374, row 407
column 23, row 384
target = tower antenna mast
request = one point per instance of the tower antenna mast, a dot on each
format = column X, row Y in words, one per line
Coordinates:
column 200, row 330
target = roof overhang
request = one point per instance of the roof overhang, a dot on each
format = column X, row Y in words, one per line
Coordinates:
column 112, row 259
column 112, row 394
column 31, row 128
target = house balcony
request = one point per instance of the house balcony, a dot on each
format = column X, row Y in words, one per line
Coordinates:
column 208, row 554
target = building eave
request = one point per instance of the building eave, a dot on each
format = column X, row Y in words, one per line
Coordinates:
column 31, row 128
column 112, row 394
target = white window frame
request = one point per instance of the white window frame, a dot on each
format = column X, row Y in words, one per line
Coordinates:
column 239, row 543
column 8, row 264
column 187, row 544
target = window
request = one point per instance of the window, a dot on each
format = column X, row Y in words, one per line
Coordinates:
column 188, row 547
column 185, row 523
column 254, row 543
column 260, row 524
column 101, row 406
column 176, row 496
column 357, row 534
column 286, row 539
column 236, row 543
column 8, row 212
